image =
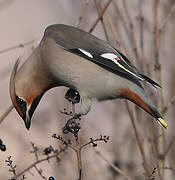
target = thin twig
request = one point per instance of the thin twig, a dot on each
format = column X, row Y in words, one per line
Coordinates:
column 161, row 143
column 102, row 22
column 92, row 141
column 155, row 155
column 40, row 172
column 38, row 162
column 73, row 109
column 6, row 113
column 124, row 23
column 169, row 146
column 66, row 142
column 170, row 103
column 152, row 176
column 155, row 32
column 113, row 30
column 136, row 132
column 100, row 16
column 132, row 33
column 113, row 166
column 82, row 16
column 17, row 46
column 169, row 168
column 78, row 150
column 139, row 139
column 141, row 33
column 11, row 164
column 164, row 23
column 35, row 151
column 120, row 15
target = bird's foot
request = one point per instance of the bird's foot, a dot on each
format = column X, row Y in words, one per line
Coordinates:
column 72, row 126
column 72, row 96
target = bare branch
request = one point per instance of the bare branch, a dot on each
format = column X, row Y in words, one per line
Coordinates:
column 120, row 15
column 164, row 23
column 139, row 139
column 93, row 141
column 17, row 46
column 6, row 113
column 132, row 33
column 114, row 32
column 113, row 166
column 161, row 140
column 155, row 155
column 141, row 34
column 170, row 103
column 40, row 172
column 169, row 145
column 39, row 161
column 102, row 22
column 82, row 16
column 35, row 151
column 78, row 152
column 66, row 142
column 170, row 168
column 100, row 16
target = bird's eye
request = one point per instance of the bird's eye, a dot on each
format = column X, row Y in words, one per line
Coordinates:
column 20, row 101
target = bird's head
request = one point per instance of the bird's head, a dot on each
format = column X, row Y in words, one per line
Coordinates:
column 24, row 98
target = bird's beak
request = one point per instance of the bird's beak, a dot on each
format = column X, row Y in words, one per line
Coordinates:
column 26, row 117
column 27, row 121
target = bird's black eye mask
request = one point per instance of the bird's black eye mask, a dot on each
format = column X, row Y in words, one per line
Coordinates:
column 22, row 104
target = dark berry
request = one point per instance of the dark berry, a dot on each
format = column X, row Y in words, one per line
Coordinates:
column 72, row 96
column 1, row 142
column 3, row 147
column 51, row 178
column 47, row 150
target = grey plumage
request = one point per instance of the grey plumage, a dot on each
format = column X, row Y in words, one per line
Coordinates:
column 68, row 56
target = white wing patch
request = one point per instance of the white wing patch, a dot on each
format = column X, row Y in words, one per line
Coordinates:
column 110, row 56
column 115, row 59
column 86, row 52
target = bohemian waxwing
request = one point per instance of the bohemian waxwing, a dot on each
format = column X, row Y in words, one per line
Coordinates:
column 68, row 56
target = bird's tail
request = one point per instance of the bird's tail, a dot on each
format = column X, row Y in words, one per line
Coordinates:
column 140, row 99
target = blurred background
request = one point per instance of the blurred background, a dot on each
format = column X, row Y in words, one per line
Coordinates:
column 144, row 32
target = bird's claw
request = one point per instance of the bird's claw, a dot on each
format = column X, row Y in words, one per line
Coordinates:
column 71, row 126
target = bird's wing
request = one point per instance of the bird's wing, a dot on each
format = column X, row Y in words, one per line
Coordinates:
column 98, row 51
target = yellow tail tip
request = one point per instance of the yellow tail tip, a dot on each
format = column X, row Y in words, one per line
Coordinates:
column 162, row 123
